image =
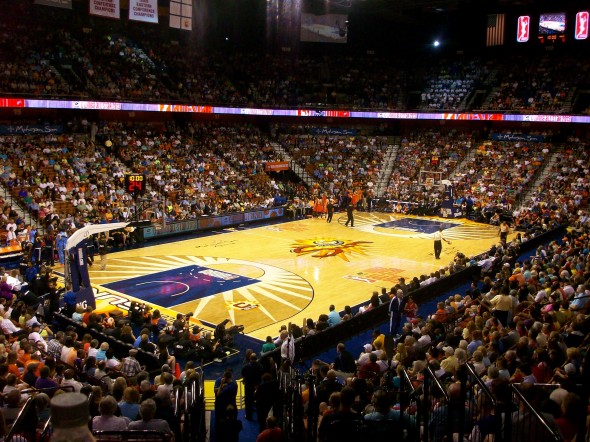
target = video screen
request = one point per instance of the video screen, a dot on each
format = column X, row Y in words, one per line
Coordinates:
column 327, row 28
column 552, row 24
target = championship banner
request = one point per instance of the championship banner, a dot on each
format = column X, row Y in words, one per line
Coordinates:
column 143, row 10
column 181, row 14
column 276, row 166
column 105, row 8
column 66, row 4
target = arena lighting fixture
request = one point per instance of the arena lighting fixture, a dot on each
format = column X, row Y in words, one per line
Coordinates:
column 436, row 43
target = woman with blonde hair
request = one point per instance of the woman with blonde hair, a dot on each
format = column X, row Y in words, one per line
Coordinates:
column 127, row 335
column 401, row 353
column 119, row 387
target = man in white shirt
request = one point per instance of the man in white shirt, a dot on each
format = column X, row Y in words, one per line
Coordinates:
column 10, row 224
column 36, row 338
column 70, row 381
column 9, row 328
column 438, row 239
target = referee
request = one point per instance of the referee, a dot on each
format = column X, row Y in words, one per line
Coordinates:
column 438, row 239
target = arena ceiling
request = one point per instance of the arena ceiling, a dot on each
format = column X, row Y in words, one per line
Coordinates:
column 415, row 8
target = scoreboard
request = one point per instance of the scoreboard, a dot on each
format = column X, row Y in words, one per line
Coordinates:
column 135, row 183
column 553, row 27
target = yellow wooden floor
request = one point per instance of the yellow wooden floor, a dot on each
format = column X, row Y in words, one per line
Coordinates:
column 301, row 266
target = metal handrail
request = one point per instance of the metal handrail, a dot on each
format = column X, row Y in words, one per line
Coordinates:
column 437, row 383
column 406, row 378
column 45, row 430
column 177, row 404
column 535, row 413
column 471, row 369
column 24, row 412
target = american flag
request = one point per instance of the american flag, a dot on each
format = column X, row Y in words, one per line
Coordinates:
column 495, row 30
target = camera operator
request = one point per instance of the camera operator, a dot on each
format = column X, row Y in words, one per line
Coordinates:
column 211, row 349
column 185, row 348
column 136, row 313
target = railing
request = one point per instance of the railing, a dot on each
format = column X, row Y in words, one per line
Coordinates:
column 527, row 423
column 289, row 410
column 445, row 415
column 487, row 411
column 25, row 423
column 313, row 410
column 45, row 431
column 192, row 409
column 411, row 411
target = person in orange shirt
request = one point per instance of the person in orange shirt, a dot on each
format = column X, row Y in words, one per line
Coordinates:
column 35, row 359
column 441, row 314
column 12, row 366
column 24, row 353
column 410, row 308
column 517, row 276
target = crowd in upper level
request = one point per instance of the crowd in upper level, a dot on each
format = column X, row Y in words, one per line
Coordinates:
column 79, row 61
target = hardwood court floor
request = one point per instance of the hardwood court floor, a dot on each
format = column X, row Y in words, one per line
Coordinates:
column 265, row 276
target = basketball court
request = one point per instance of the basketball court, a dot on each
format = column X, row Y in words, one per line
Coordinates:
column 268, row 275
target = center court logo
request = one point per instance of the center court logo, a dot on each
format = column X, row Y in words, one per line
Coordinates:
column 242, row 305
column 329, row 247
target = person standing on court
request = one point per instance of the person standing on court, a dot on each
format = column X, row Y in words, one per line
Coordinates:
column 396, row 308
column 349, row 215
column 438, row 239
column 503, row 231
column 330, row 208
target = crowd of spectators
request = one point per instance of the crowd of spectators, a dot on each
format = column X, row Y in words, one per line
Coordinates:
column 450, row 84
column 539, row 86
column 337, row 163
column 499, row 171
column 37, row 363
column 221, row 170
column 524, row 323
column 566, row 185
column 434, row 153
column 78, row 60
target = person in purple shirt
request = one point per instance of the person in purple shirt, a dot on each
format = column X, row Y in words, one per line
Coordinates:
column 5, row 289
column 44, row 382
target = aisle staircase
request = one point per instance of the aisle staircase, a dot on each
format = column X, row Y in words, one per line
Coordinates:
column 531, row 191
column 23, row 213
column 387, row 169
column 295, row 167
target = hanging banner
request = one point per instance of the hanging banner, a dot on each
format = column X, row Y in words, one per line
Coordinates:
column 105, row 8
column 181, row 14
column 66, row 4
column 143, row 10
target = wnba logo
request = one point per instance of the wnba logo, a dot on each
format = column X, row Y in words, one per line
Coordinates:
column 582, row 25
column 523, row 32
